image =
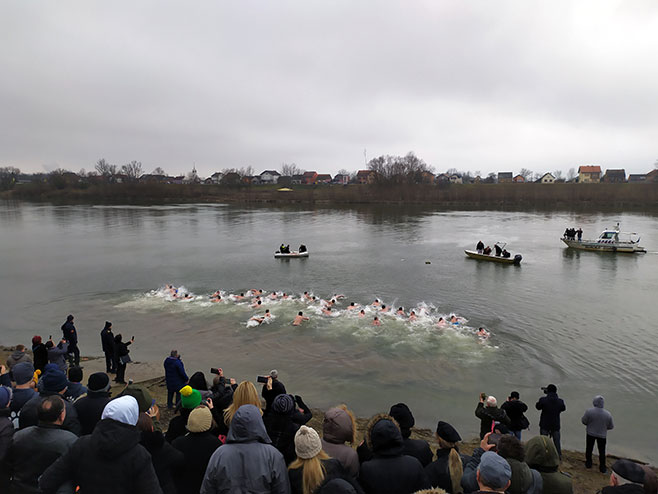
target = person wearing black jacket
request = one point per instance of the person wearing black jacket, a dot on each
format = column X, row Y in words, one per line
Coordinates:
column 272, row 389
column 551, row 407
column 90, row 407
column 40, row 353
column 107, row 340
column 490, row 415
column 515, row 408
column 164, row 456
column 122, row 358
column 222, row 397
column 282, row 427
column 413, row 447
column 70, row 334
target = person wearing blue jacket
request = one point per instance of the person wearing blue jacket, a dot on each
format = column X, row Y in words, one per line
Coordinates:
column 598, row 421
column 175, row 377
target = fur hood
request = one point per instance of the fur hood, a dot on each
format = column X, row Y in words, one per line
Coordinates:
column 384, row 439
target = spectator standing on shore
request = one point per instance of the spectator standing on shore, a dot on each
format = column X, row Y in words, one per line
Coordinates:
column 17, row 356
column 37, row 447
column 107, row 341
column 494, row 473
column 271, row 389
column 490, row 415
column 164, row 456
column 57, row 354
column 247, row 462
column 515, row 408
column 90, row 408
column 190, row 399
column 75, row 387
column 280, row 426
column 413, row 447
column 524, row 479
column 446, row 472
column 175, row 377
column 598, row 422
column 541, row 455
column 339, row 428
column 108, row 461
column 24, row 390
column 70, row 334
column 39, row 352
column 551, row 407
column 122, row 357
column 244, row 394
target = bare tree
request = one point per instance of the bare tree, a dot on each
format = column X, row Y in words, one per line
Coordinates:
column 451, row 171
column 557, row 174
column 290, row 169
column 8, row 177
column 105, row 169
column 82, row 173
column 132, row 170
column 159, row 171
column 246, row 171
column 526, row 174
column 571, row 174
column 407, row 169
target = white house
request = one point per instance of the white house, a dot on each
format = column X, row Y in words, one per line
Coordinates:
column 269, row 177
column 547, row 178
column 455, row 178
column 216, row 178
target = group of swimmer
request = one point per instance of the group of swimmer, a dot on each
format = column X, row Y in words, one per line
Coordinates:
column 256, row 298
column 500, row 252
column 285, row 249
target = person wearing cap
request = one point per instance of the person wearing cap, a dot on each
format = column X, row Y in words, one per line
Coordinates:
column 24, row 390
column 247, row 462
column 515, row 408
column 190, row 399
column 541, row 455
column 413, row 447
column 447, row 470
column 280, row 426
column 313, row 466
column 39, row 352
column 109, row 348
column 37, row 447
column 524, row 479
column 197, row 447
column 70, row 334
column 627, row 477
column 6, row 431
column 90, row 407
column 339, row 428
column 389, row 471
column 108, row 461
column 494, row 473
column 490, row 415
column 598, row 421
column 175, row 377
column 551, row 407
column 53, row 382
column 271, row 389
column 75, row 388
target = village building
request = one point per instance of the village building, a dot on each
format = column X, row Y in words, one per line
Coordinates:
column 614, row 176
column 297, row 179
column 323, row 178
column 365, row 177
column 309, row 178
column 341, row 179
column 546, row 178
column 589, row 174
column 505, row 177
column 456, row 178
column 636, row 178
column 269, row 177
column 518, row 179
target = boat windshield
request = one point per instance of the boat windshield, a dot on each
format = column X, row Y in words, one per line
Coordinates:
column 608, row 235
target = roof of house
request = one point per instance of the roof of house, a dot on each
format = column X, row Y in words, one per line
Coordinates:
column 324, row 176
column 504, row 175
column 637, row 176
column 217, row 174
column 519, row 176
column 297, row 177
column 615, row 173
column 271, row 172
column 589, row 169
column 361, row 173
column 310, row 174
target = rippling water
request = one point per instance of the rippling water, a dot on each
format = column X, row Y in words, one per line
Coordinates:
column 584, row 321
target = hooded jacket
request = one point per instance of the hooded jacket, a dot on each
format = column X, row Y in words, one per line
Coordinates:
column 57, row 355
column 336, row 431
column 524, row 480
column 488, row 415
column 17, row 357
column 389, row 472
column 247, row 462
column 175, row 375
column 540, row 454
column 109, row 461
column 551, row 406
column 165, row 459
column 597, row 419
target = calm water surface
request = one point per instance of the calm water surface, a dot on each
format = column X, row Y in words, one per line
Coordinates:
column 583, row 321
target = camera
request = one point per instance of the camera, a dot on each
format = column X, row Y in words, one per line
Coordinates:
column 262, row 379
column 214, row 370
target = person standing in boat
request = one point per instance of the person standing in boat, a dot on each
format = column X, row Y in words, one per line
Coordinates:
column 480, row 247
column 579, row 232
column 499, row 251
column 302, row 249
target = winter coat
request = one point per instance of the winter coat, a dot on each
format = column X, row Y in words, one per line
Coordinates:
column 333, row 470
column 175, row 374
column 597, row 419
column 488, row 415
column 419, row 449
column 57, row 355
column 74, row 390
column 40, row 353
column 624, row 489
column 281, row 430
column 524, row 479
column 109, row 461
column 551, row 406
column 69, row 332
column 389, row 472
column 222, row 397
column 90, row 408
column 29, row 414
column 269, row 394
column 178, row 425
column 107, row 341
column 20, row 397
column 515, row 410
column 32, row 451
column 121, row 348
column 438, row 472
column 540, row 454
column 17, row 357
column 247, row 462
column 6, row 434
column 197, row 448
column 165, row 459
column 336, row 431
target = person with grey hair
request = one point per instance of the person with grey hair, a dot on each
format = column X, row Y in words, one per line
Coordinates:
column 271, row 389
column 627, row 477
column 598, row 421
column 175, row 377
column 490, row 414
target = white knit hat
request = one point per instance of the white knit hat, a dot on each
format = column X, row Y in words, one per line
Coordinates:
column 200, row 420
column 307, row 443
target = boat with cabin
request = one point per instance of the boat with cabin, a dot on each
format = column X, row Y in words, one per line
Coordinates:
column 610, row 240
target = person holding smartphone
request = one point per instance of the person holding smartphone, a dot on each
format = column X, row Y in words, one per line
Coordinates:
column 122, row 357
column 271, row 389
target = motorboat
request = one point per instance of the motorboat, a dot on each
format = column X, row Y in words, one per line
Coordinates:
column 481, row 256
column 295, row 254
column 610, row 240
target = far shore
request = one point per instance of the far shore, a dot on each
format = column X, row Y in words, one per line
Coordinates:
column 559, row 196
column 149, row 375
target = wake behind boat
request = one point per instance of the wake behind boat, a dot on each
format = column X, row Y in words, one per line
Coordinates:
column 610, row 240
column 500, row 256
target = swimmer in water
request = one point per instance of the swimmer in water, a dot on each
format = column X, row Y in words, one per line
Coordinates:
column 400, row 311
column 376, row 321
column 216, row 294
column 352, row 306
column 412, row 316
column 307, row 296
column 385, row 309
column 376, row 303
column 267, row 314
column 216, row 299
column 273, row 295
column 255, row 305
column 441, row 322
column 339, row 296
column 299, row 318
column 187, row 296
column 362, row 313
column 326, row 311
column 239, row 297
column 483, row 333
column 454, row 320
column 285, row 296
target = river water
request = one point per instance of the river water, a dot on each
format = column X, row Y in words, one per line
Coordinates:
column 584, row 321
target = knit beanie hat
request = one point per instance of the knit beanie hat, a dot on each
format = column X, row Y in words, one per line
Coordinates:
column 99, row 381
column 5, row 396
column 141, row 394
column 200, row 420
column 283, row 404
column 54, row 381
column 307, row 443
column 189, row 397
column 23, row 372
column 123, row 409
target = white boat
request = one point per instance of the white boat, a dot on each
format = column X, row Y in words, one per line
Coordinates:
column 481, row 256
column 290, row 255
column 610, row 240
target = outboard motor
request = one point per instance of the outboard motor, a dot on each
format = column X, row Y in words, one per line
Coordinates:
column 517, row 259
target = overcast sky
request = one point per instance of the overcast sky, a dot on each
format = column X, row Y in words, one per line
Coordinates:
column 474, row 85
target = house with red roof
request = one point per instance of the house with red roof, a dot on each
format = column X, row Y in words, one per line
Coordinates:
column 589, row 174
column 310, row 178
